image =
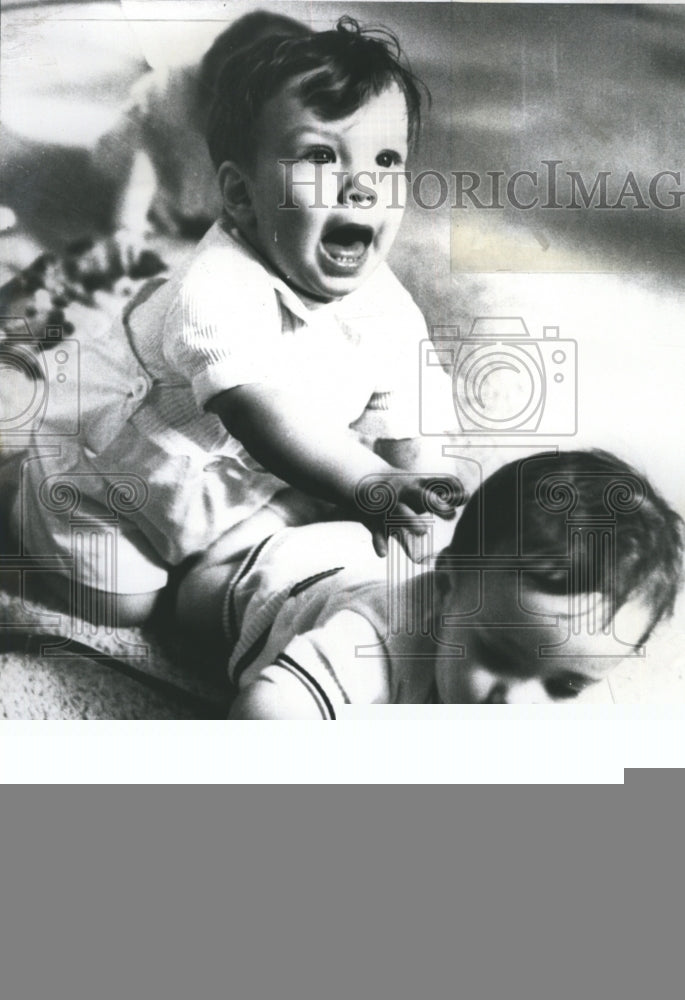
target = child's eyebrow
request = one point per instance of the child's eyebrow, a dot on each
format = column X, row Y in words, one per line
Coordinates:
column 310, row 130
column 298, row 132
column 500, row 653
column 505, row 657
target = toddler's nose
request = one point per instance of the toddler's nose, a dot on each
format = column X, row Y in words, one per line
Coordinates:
column 524, row 692
column 352, row 190
column 497, row 695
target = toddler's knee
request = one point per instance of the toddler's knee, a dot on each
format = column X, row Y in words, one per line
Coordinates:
column 135, row 609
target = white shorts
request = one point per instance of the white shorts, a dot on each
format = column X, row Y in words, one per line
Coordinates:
column 102, row 554
column 108, row 552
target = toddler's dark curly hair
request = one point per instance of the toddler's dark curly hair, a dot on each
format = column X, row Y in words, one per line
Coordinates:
column 340, row 70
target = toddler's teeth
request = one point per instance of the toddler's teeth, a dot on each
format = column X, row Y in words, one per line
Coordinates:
column 347, row 245
column 352, row 252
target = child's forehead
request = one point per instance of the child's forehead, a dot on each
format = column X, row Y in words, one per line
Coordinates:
column 290, row 110
column 520, row 619
column 589, row 613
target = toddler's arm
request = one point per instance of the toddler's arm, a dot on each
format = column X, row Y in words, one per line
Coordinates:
column 265, row 700
column 316, row 673
column 121, row 157
column 134, row 203
column 307, row 449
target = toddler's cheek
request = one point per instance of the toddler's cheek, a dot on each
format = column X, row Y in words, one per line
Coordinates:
column 453, row 682
column 472, row 684
column 310, row 186
column 392, row 191
column 330, row 187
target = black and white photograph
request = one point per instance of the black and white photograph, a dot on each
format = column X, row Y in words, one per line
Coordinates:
column 342, row 358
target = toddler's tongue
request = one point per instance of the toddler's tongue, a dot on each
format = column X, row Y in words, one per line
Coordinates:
column 346, row 243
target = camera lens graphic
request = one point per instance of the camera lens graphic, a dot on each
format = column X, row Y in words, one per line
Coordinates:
column 497, row 387
column 23, row 397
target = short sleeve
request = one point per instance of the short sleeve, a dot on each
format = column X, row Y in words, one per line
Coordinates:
column 327, row 663
column 223, row 327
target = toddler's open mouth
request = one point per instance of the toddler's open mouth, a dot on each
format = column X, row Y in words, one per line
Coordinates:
column 347, row 245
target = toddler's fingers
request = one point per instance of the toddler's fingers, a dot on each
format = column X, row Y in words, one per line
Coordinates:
column 127, row 246
column 380, row 542
column 416, row 546
column 442, row 495
column 412, row 522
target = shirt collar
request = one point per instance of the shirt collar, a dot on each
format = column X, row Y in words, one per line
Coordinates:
column 295, row 302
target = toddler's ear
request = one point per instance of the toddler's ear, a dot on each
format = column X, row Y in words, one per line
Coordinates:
column 236, row 193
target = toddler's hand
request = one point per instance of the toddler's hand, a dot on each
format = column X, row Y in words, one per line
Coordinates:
column 438, row 494
column 125, row 248
column 399, row 505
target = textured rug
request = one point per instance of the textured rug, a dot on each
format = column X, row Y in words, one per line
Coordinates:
column 55, row 666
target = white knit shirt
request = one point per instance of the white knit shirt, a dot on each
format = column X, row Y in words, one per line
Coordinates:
column 221, row 320
column 315, row 607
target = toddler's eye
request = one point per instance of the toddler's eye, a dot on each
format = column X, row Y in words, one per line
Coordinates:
column 388, row 158
column 319, row 154
column 564, row 687
column 493, row 657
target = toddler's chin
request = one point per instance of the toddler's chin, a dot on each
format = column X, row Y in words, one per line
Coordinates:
column 338, row 289
column 335, row 284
